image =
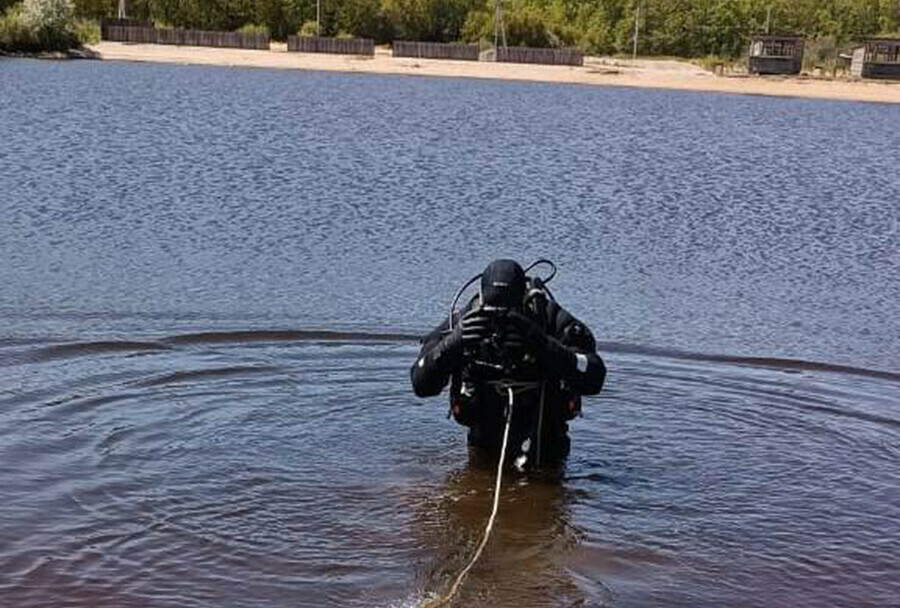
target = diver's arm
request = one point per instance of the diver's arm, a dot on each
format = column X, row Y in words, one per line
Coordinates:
column 584, row 370
column 442, row 350
column 567, row 350
column 440, row 353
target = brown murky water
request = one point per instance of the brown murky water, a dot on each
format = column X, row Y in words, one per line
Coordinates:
column 212, row 282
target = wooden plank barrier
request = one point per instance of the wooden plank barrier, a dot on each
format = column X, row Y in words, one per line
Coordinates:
column 132, row 34
column 523, row 54
column 105, row 24
column 335, row 46
column 231, row 40
column 143, row 32
column 435, row 50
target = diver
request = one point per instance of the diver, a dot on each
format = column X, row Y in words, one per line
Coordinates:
column 512, row 334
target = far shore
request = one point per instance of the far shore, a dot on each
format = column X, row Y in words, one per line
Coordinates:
column 597, row 71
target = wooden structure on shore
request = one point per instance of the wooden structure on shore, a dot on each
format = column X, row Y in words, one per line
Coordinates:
column 334, row 46
column 776, row 54
column 524, row 54
column 134, row 34
column 878, row 58
column 226, row 40
column 143, row 32
column 434, row 50
column 117, row 30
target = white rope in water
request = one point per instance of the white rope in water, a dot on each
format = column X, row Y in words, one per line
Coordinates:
column 443, row 601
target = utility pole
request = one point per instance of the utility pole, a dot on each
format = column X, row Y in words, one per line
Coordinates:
column 768, row 18
column 499, row 27
column 318, row 17
column 637, row 21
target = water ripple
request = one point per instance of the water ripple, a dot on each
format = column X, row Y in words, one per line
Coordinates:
column 211, row 299
column 304, row 473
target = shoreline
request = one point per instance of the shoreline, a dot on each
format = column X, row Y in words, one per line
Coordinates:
column 79, row 53
column 597, row 71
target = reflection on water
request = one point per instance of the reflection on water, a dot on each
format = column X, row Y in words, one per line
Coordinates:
column 530, row 544
column 302, row 472
column 212, row 284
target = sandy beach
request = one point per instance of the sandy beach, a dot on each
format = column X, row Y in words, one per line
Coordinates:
column 597, row 71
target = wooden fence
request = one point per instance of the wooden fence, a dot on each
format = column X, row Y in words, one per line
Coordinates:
column 231, row 40
column 523, row 54
column 133, row 34
column 115, row 29
column 336, row 46
column 135, row 31
column 435, row 50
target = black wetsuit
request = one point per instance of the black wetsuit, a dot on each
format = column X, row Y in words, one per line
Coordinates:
column 479, row 402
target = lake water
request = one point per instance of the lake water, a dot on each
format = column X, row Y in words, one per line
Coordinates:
column 211, row 284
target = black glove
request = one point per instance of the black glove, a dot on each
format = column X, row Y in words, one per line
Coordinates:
column 528, row 338
column 468, row 332
column 475, row 326
column 523, row 334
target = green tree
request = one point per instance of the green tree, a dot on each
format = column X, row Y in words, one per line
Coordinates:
column 672, row 27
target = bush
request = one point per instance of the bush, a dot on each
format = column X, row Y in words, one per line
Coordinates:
column 821, row 53
column 252, row 28
column 38, row 26
column 596, row 40
column 52, row 22
column 478, row 28
column 308, row 29
column 528, row 28
column 56, row 15
column 524, row 27
column 87, row 31
column 15, row 35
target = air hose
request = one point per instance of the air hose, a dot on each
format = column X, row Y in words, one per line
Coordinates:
column 445, row 599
